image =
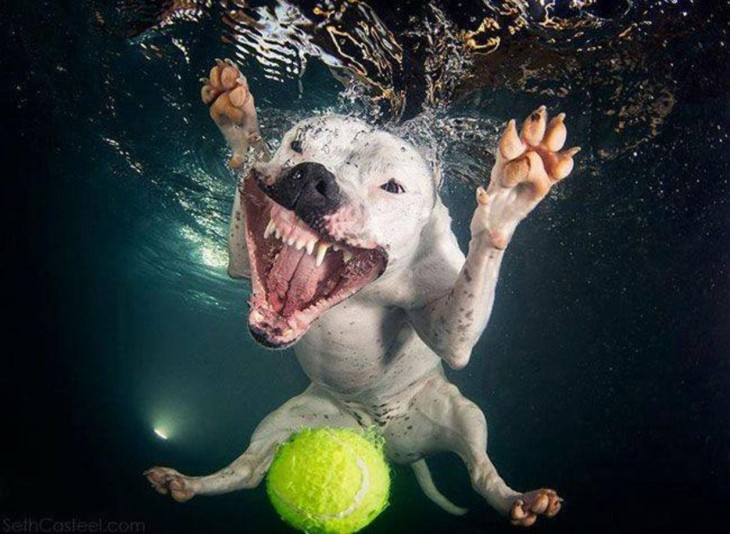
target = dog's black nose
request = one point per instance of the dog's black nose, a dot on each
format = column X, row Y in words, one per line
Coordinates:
column 308, row 189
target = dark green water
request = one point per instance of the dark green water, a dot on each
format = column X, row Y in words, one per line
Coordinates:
column 603, row 373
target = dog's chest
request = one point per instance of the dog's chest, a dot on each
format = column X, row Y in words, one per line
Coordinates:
column 352, row 346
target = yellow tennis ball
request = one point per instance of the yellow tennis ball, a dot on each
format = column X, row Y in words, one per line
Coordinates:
column 329, row 480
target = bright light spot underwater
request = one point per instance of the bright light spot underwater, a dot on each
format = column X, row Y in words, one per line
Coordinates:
column 213, row 257
column 209, row 253
column 160, row 433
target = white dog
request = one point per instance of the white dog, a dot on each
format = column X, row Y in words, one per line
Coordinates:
column 351, row 256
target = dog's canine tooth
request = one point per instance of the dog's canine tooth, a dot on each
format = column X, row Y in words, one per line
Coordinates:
column 346, row 255
column 269, row 229
column 321, row 251
column 310, row 246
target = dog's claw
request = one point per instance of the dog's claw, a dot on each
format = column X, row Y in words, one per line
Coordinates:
column 556, row 133
column 533, row 130
column 572, row 151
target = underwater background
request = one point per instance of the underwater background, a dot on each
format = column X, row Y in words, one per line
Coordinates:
column 604, row 371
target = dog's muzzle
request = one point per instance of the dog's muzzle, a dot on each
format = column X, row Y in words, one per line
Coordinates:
column 299, row 267
column 309, row 190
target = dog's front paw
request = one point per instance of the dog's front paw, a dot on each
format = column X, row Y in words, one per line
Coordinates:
column 226, row 92
column 232, row 107
column 539, row 502
column 168, row 481
column 528, row 165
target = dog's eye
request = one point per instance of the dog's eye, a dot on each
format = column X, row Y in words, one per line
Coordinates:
column 391, row 186
column 296, row 146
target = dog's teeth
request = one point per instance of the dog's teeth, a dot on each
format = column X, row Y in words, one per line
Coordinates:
column 346, row 255
column 321, row 251
column 310, row 246
column 277, row 232
column 269, row 229
column 335, row 247
column 299, row 244
column 290, row 241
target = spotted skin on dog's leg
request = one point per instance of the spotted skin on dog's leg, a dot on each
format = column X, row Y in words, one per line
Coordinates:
column 527, row 166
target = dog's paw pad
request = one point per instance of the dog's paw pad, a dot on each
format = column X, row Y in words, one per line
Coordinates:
column 226, row 91
column 525, row 510
column 168, row 481
column 532, row 159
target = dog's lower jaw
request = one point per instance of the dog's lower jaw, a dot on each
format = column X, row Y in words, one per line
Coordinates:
column 264, row 339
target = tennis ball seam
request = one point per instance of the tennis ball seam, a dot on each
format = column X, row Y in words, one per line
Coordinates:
column 329, row 480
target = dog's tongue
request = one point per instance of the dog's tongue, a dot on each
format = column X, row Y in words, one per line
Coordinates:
column 294, row 277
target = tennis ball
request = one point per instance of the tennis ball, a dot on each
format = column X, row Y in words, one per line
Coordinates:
column 329, row 480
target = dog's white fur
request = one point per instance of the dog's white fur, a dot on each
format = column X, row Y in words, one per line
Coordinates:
column 376, row 358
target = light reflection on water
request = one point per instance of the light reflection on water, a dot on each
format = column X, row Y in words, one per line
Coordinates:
column 307, row 61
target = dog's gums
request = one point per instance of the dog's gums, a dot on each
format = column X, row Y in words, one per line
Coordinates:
column 297, row 273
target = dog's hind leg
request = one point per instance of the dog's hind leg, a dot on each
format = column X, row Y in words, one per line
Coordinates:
column 312, row 409
column 233, row 110
column 439, row 419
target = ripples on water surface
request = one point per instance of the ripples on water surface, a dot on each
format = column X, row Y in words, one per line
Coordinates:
column 442, row 74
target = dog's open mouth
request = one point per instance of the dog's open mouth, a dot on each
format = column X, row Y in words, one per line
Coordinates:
column 297, row 273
